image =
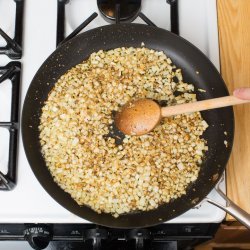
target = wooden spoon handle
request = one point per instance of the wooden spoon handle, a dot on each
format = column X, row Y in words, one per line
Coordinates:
column 202, row 105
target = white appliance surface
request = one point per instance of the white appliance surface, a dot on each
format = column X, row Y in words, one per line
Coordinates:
column 29, row 202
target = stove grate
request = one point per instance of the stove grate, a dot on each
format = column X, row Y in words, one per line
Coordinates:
column 60, row 37
column 12, row 72
column 13, row 48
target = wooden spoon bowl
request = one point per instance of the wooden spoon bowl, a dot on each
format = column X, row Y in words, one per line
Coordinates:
column 138, row 117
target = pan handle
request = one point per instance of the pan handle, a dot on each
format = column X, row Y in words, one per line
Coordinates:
column 231, row 208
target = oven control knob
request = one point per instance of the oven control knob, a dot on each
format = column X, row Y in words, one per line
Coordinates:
column 98, row 237
column 139, row 239
column 38, row 236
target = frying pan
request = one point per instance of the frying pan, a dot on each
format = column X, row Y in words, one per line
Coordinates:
column 185, row 56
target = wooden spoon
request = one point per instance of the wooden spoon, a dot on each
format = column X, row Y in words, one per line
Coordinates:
column 141, row 116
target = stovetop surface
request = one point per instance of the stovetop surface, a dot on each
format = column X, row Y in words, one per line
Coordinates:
column 29, row 202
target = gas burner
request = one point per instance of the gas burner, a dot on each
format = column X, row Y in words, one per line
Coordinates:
column 119, row 10
column 118, row 16
column 112, row 10
column 11, row 72
column 13, row 47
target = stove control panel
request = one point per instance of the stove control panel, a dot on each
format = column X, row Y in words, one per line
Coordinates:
column 91, row 236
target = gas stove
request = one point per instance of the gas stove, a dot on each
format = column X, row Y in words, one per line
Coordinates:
column 46, row 24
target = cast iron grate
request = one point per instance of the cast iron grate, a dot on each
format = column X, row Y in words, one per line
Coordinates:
column 12, row 72
column 13, row 48
column 60, row 35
